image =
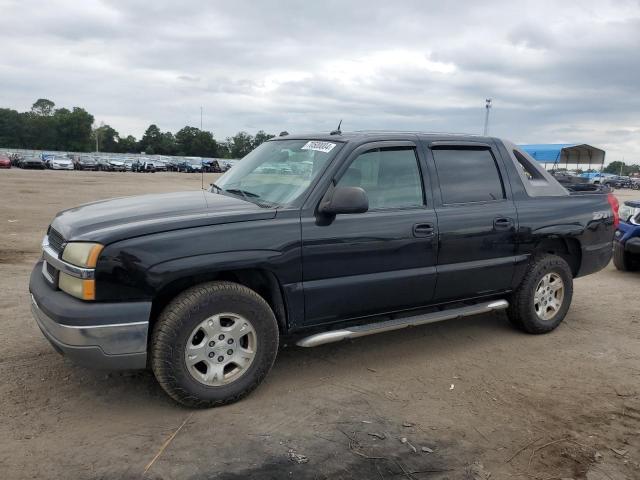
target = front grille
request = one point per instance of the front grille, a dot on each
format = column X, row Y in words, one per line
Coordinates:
column 56, row 241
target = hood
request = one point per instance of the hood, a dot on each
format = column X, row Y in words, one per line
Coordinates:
column 61, row 161
column 108, row 221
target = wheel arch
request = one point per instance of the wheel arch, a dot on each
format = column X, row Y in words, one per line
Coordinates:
column 264, row 282
column 568, row 249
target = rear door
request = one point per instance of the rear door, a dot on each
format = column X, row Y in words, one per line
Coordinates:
column 379, row 261
column 477, row 220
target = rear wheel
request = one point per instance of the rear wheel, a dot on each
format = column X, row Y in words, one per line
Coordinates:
column 214, row 344
column 543, row 298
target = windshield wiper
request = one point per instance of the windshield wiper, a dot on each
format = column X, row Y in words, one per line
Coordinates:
column 244, row 193
column 247, row 195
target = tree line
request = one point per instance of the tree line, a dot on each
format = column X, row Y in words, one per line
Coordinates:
column 621, row 168
column 46, row 127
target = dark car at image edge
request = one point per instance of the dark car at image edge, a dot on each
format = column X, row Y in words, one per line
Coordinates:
column 367, row 232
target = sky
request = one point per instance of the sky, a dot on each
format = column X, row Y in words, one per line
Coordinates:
column 557, row 72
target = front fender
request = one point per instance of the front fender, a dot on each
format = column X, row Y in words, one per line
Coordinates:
column 165, row 273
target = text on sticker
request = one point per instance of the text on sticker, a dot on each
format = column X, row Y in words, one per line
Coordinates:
column 318, row 146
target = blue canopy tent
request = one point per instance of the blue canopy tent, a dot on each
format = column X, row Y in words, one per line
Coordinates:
column 567, row 153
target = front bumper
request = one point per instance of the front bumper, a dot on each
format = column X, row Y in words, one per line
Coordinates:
column 627, row 236
column 61, row 167
column 110, row 336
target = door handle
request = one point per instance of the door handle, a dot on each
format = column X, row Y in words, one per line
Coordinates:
column 503, row 223
column 423, row 230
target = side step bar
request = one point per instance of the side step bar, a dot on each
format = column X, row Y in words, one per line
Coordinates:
column 396, row 324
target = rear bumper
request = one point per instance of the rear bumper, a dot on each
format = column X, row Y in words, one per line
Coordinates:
column 595, row 258
column 98, row 335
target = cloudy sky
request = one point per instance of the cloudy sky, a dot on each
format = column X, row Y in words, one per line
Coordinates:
column 557, row 71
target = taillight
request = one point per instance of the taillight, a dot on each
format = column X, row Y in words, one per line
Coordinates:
column 613, row 202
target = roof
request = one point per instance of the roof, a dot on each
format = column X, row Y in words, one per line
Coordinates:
column 378, row 135
column 575, row 153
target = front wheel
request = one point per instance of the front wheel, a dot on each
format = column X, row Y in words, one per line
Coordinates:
column 214, row 344
column 622, row 260
column 543, row 298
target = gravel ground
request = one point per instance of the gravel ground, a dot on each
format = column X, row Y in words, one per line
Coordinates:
column 471, row 398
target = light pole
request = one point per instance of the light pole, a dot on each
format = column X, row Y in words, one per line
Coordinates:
column 487, row 106
column 98, row 135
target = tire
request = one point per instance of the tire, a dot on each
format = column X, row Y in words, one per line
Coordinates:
column 622, row 260
column 523, row 313
column 190, row 313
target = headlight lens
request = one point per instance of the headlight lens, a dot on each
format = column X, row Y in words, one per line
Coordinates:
column 82, row 254
column 77, row 287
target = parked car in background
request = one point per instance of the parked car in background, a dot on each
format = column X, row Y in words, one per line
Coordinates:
column 212, row 166
column 85, row 162
column 626, row 245
column 190, row 165
column 160, row 165
column 612, row 181
column 16, row 158
column 103, row 164
column 32, row 162
column 594, row 177
column 146, row 166
column 173, row 165
column 116, row 164
column 57, row 162
column 128, row 164
column 5, row 161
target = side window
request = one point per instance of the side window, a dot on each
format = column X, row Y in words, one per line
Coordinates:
column 468, row 175
column 390, row 176
column 527, row 168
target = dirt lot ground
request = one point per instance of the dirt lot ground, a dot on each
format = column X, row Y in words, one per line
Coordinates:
column 474, row 397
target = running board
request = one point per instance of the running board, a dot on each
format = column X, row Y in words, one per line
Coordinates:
column 396, row 324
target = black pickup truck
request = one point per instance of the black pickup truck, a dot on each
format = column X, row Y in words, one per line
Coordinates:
column 316, row 238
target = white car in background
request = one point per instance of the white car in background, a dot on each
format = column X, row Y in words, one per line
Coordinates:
column 59, row 163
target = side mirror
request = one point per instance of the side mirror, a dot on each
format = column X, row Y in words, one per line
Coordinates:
column 344, row 200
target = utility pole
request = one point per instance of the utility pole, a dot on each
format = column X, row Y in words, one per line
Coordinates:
column 200, row 117
column 487, row 106
column 98, row 136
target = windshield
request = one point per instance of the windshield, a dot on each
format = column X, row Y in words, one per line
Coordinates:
column 277, row 172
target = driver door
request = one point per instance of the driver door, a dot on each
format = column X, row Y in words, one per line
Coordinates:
column 380, row 261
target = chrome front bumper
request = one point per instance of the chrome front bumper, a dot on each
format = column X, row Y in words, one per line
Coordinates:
column 110, row 344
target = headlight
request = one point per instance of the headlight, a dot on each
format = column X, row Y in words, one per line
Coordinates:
column 77, row 287
column 82, row 254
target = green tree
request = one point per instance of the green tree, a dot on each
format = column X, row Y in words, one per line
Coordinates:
column 192, row 141
column 261, row 137
column 129, row 144
column 43, row 107
column 10, row 128
column 39, row 131
column 151, row 140
column 72, row 129
column 108, row 138
column 614, row 167
column 240, row 144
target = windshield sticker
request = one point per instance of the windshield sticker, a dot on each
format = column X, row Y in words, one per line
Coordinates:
column 325, row 147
